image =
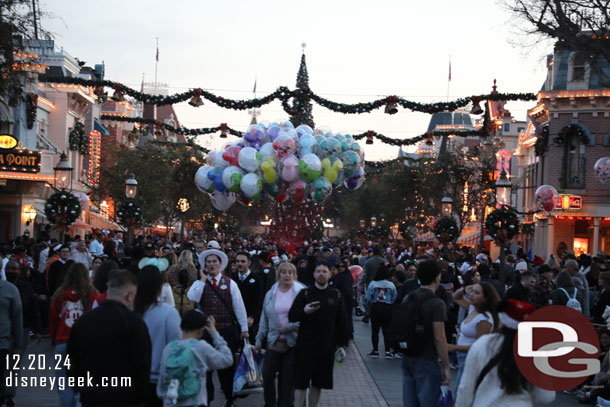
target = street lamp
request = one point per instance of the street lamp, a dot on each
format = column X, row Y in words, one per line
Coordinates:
column 373, row 221
column 447, row 206
column 503, row 190
column 63, row 173
column 362, row 223
column 131, row 187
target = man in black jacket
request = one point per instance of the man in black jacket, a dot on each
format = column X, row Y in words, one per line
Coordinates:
column 112, row 341
column 251, row 288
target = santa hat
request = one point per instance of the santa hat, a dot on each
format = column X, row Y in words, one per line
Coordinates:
column 516, row 311
column 537, row 261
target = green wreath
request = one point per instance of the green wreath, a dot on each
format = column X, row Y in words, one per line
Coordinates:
column 542, row 142
column 62, row 209
column 502, row 224
column 446, row 229
column 129, row 213
column 78, row 140
column 570, row 130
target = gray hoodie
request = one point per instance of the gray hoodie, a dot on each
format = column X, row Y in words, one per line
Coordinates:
column 270, row 323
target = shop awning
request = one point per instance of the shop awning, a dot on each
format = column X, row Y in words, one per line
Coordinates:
column 80, row 225
column 472, row 239
column 99, row 222
column 426, row 237
column 98, row 127
column 39, row 207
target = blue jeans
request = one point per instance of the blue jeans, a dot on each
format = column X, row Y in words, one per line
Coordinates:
column 67, row 397
column 461, row 357
column 421, row 382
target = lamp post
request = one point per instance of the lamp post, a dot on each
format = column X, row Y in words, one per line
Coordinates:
column 503, row 191
column 373, row 222
column 131, row 187
column 63, row 174
column 30, row 215
column 447, row 206
column 131, row 190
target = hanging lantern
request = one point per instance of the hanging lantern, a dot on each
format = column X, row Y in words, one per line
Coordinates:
column 476, row 105
column 196, row 99
column 369, row 136
column 392, row 106
column 223, row 130
column 118, row 96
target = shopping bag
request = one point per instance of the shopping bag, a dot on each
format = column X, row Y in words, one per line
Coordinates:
column 248, row 378
column 446, row 397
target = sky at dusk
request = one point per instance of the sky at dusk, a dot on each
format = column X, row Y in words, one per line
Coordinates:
column 356, row 51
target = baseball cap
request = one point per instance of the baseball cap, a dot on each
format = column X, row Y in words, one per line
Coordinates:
column 213, row 244
column 149, row 246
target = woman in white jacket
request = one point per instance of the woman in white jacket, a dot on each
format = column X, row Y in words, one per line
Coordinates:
column 279, row 335
column 491, row 376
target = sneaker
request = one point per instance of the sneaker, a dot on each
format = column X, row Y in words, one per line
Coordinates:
column 453, row 366
column 365, row 320
column 373, row 354
column 388, row 355
column 571, row 391
column 397, row 355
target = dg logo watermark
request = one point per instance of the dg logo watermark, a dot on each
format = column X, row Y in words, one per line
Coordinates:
column 556, row 348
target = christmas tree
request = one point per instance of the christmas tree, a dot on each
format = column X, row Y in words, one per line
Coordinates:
column 301, row 105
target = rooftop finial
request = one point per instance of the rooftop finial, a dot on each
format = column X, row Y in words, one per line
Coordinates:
column 303, row 45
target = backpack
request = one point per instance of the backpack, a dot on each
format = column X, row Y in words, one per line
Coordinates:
column 180, row 366
column 408, row 332
column 572, row 301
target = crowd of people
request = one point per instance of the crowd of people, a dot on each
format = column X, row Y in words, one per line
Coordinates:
column 140, row 310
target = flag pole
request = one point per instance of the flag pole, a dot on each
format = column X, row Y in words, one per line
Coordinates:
column 449, row 78
column 156, row 66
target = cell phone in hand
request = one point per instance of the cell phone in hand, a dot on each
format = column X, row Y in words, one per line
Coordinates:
column 315, row 304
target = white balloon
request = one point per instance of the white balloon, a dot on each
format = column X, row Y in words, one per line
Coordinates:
column 202, row 182
column 248, row 159
column 222, row 200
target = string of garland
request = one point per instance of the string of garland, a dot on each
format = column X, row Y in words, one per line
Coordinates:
column 568, row 132
column 129, row 213
column 62, row 209
column 78, row 140
column 284, row 94
column 502, row 224
column 224, row 129
column 446, row 229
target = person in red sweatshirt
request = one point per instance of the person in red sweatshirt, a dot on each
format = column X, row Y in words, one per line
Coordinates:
column 74, row 297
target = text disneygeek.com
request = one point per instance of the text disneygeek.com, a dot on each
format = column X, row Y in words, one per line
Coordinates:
column 13, row 379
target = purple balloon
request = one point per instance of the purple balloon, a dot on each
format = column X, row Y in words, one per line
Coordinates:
column 352, row 182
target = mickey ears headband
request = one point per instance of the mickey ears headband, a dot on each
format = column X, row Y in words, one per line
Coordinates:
column 161, row 263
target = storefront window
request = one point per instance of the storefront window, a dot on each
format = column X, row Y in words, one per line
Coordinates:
column 581, row 246
column 574, row 163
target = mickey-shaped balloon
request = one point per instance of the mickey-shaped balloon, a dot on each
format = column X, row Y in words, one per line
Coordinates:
column 231, row 178
column 351, row 161
column 356, row 180
column 268, row 168
column 254, row 136
column 231, row 155
column 284, row 145
column 310, row 167
column 251, row 185
column 321, row 190
column 332, row 169
column 289, row 168
column 202, row 181
column 249, row 159
column 216, row 177
column 297, row 191
column 306, row 145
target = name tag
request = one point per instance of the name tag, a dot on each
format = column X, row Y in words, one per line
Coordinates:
column 223, row 287
column 252, row 281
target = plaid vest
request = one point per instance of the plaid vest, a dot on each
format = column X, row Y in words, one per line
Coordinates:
column 212, row 305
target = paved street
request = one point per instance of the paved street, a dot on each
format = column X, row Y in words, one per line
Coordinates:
column 360, row 381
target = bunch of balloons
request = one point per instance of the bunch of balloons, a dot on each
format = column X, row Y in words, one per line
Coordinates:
column 602, row 170
column 546, row 197
column 282, row 163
